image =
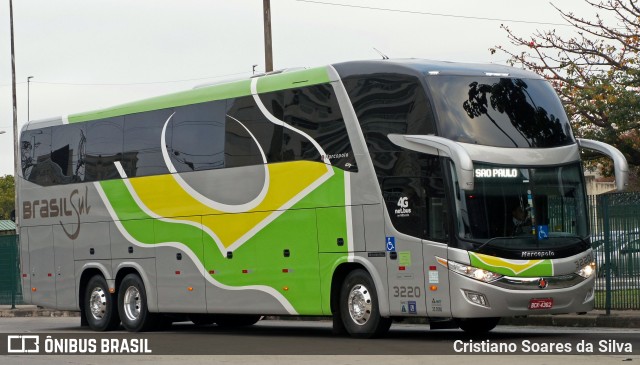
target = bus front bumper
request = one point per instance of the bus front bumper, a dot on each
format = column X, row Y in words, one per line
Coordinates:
column 472, row 298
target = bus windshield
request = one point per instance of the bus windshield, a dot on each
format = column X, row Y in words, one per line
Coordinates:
column 500, row 112
column 516, row 208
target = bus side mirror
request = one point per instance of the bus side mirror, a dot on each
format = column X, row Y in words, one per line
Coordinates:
column 439, row 146
column 620, row 166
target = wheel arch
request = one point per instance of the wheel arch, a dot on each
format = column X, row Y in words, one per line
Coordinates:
column 340, row 273
column 90, row 270
column 126, row 268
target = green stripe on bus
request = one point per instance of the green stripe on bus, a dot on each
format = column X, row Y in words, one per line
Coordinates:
column 236, row 89
column 201, row 95
column 290, row 80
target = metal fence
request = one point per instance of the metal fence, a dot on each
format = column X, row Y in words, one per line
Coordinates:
column 10, row 288
column 615, row 238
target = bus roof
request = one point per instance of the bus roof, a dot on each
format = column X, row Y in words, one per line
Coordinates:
column 431, row 68
column 287, row 80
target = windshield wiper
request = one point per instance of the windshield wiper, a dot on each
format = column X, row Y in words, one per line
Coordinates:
column 499, row 238
column 527, row 237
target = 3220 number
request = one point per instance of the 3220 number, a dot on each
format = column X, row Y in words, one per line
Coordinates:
column 406, row 291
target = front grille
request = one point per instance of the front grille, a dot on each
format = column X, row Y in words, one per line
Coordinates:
column 554, row 282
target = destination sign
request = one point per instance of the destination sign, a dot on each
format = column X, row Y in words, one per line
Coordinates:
column 497, row 173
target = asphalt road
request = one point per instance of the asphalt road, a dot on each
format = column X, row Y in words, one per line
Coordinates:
column 272, row 341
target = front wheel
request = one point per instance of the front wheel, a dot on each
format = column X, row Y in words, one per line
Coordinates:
column 359, row 309
column 132, row 305
column 478, row 326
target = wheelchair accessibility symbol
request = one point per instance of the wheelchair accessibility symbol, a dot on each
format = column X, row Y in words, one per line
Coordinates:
column 543, row 232
column 391, row 244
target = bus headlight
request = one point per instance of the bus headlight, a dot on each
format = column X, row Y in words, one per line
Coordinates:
column 587, row 270
column 473, row 272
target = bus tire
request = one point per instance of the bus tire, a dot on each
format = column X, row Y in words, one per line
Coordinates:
column 359, row 308
column 478, row 326
column 100, row 308
column 132, row 305
column 236, row 320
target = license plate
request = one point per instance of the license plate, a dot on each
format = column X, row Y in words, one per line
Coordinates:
column 541, row 303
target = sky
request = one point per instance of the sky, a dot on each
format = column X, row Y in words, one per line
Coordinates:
column 91, row 54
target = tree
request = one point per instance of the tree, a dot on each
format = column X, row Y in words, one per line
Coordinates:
column 596, row 72
column 7, row 196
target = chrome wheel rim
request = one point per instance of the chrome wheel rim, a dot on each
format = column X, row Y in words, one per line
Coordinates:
column 98, row 303
column 132, row 303
column 359, row 304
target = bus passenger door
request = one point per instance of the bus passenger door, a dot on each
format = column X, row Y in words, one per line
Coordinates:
column 403, row 245
column 418, row 214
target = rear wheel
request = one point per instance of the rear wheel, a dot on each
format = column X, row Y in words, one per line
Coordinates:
column 100, row 309
column 359, row 309
column 478, row 325
column 132, row 305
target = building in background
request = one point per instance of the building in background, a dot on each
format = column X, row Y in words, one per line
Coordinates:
column 7, row 228
column 598, row 184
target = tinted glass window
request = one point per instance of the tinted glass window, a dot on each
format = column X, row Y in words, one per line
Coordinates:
column 68, row 152
column 195, row 137
column 245, row 119
column 315, row 112
column 500, row 112
column 389, row 104
column 405, row 201
column 415, row 198
column 104, row 147
column 35, row 149
column 142, row 140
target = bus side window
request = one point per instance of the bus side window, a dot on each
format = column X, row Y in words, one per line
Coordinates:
column 104, row 147
column 68, row 144
column 416, row 204
column 314, row 110
column 195, row 137
column 406, row 204
column 389, row 104
column 142, row 155
column 35, row 148
column 245, row 124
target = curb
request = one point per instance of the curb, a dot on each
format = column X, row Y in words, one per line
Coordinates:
column 36, row 312
column 561, row 320
column 566, row 320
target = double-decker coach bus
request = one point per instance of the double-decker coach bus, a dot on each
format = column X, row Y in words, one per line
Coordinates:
column 366, row 191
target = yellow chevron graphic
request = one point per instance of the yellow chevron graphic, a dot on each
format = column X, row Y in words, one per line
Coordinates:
column 165, row 197
column 516, row 266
